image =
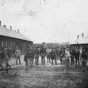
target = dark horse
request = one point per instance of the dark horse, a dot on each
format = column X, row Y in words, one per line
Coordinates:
column 53, row 57
column 4, row 59
column 29, row 57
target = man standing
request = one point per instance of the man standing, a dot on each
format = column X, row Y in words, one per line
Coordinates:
column 43, row 54
column 36, row 56
column 17, row 55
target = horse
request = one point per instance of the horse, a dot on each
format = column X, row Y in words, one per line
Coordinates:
column 61, row 55
column 48, row 51
column 43, row 54
column 76, row 55
column 17, row 56
column 36, row 56
column 84, row 57
column 4, row 60
column 53, row 57
column 29, row 57
column 67, row 57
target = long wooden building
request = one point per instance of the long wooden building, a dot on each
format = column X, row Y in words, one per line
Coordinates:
column 80, row 42
column 12, row 39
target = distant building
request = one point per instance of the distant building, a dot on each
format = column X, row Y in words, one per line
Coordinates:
column 81, row 41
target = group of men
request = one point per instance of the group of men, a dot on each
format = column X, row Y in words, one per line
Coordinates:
column 32, row 56
column 68, row 56
column 52, row 55
column 79, row 55
column 72, row 56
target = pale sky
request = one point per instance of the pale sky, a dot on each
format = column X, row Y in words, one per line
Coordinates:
column 46, row 20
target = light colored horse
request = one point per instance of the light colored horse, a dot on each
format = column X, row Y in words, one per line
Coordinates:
column 17, row 56
column 67, row 57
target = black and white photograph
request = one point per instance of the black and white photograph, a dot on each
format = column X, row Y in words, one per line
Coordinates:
column 43, row 43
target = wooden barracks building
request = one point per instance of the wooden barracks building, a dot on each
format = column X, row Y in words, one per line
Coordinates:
column 80, row 42
column 12, row 39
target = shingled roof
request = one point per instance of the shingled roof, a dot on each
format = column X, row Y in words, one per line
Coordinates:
column 11, row 33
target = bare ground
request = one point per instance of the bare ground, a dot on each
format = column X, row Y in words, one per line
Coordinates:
column 43, row 77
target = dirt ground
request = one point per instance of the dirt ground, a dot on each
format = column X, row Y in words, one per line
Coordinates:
column 43, row 77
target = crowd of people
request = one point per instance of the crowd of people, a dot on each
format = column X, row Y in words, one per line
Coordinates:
column 32, row 56
column 67, row 56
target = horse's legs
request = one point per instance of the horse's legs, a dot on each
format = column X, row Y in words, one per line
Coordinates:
column 61, row 60
column 55, row 61
column 31, row 61
column 19, row 60
column 76, row 60
column 72, row 60
column 49, row 60
column 42, row 60
column 37, row 60
column 52, row 61
column 16, row 61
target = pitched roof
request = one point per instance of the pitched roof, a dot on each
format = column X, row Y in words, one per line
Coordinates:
column 11, row 33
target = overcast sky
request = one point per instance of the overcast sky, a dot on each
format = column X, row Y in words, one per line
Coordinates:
column 46, row 20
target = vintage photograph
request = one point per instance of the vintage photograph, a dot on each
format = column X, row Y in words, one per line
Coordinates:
column 43, row 44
